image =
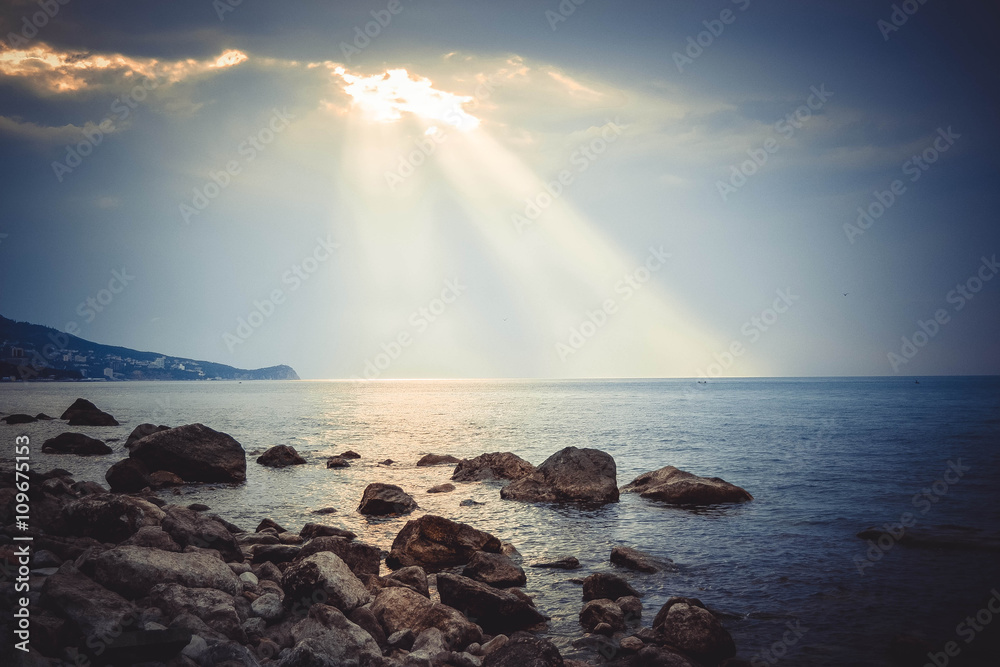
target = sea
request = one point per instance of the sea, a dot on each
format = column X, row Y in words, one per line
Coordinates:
column 824, row 459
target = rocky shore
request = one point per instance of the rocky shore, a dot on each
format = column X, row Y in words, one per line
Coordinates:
column 120, row 576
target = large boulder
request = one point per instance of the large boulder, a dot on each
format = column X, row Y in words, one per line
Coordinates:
column 141, row 431
column 323, row 578
column 496, row 570
column 133, row 571
column 437, row 459
column 399, row 609
column 382, row 499
column 608, row 586
column 97, row 613
column 75, row 443
column 128, row 476
column 326, row 638
column 694, row 630
column 495, row 465
column 85, row 413
column 678, row 487
column 435, row 543
column 497, row 611
column 190, row 528
column 569, row 475
column 280, row 456
column 195, row 453
column 215, row 608
column 361, row 558
column 524, row 650
column 110, row 517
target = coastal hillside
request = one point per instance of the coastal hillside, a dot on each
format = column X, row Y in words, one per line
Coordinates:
column 35, row 352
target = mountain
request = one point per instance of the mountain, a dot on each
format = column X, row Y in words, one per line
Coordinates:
column 35, row 352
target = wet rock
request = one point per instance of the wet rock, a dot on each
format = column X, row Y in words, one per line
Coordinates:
column 350, row 455
column 325, row 510
column 494, row 609
column 441, row 488
column 140, row 432
column 153, row 537
column 694, row 630
column 387, row 462
column 495, row 465
column 110, row 517
column 383, row 499
column 607, row 586
column 162, row 478
column 193, row 452
column 97, row 613
column 495, row 570
column 268, row 523
column 631, row 607
column 215, row 608
column 636, row 560
column 437, row 459
column 564, row 563
column 326, row 638
column 326, row 575
column 189, row 528
column 311, row 530
column 524, row 650
column 469, row 502
column 85, row 413
column 596, row 612
column 361, row 558
column 399, row 609
column 337, row 462
column 678, row 487
column 199, row 507
column 280, row 456
column 569, row 475
column 435, row 543
column 41, row 416
column 19, row 419
column 75, row 443
column 412, row 577
column 132, row 571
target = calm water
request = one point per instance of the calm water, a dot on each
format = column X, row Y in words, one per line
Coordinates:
column 824, row 459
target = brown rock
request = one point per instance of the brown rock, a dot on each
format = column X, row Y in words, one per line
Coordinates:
column 436, row 543
column 495, row 465
column 678, row 487
column 569, row 475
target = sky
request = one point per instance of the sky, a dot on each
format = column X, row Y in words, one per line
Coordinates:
column 443, row 188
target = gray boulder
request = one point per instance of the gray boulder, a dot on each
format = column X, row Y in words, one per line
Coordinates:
column 133, row 571
column 569, row 475
column 190, row 528
column 97, row 613
column 495, row 465
column 678, row 487
column 361, row 558
column 141, row 431
column 323, row 578
column 215, row 608
column 326, row 638
column 195, row 453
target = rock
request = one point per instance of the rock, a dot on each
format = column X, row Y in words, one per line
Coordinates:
column 436, row 543
column 365, row 619
column 569, row 475
column 195, row 453
column 325, row 578
column 240, row 568
column 596, row 612
column 437, row 459
column 199, row 507
column 402, row 640
column 603, row 629
column 215, row 608
column 268, row 523
column 20, row 419
column 75, row 443
column 564, row 563
column 495, row 610
column 275, row 553
column 41, row 416
column 382, row 499
column 140, row 432
column 412, row 577
column 311, row 530
column 153, row 537
column 109, row 517
column 495, row 465
column 635, row 560
column 631, row 607
column 608, row 586
column 163, row 478
column 524, row 650
column 227, row 654
column 45, row 558
column 441, row 488
column 683, row 488
column 132, row 571
column 280, row 456
column 398, row 609
column 493, row 644
column 360, row 558
column 325, row 510
column 326, row 638
column 694, row 630
column 495, row 570
column 85, row 413
column 426, row 647
column 146, row 645
column 268, row 606
column 630, row 644
column 337, row 462
column 350, row 455
column 97, row 613
column 469, row 502
column 249, row 579
column 189, row 528
column 387, row 462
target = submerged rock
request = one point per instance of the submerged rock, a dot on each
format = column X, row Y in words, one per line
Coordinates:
column 382, row 499
column 20, row 419
column 564, row 563
column 85, row 413
column 436, row 543
column 75, row 443
column 350, row 455
column 569, row 475
column 337, row 462
column 678, row 487
column 280, row 456
column 495, row 465
column 195, row 453
column 441, row 488
column 437, row 459
column 637, row 560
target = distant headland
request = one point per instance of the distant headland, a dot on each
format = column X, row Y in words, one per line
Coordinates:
column 36, row 352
